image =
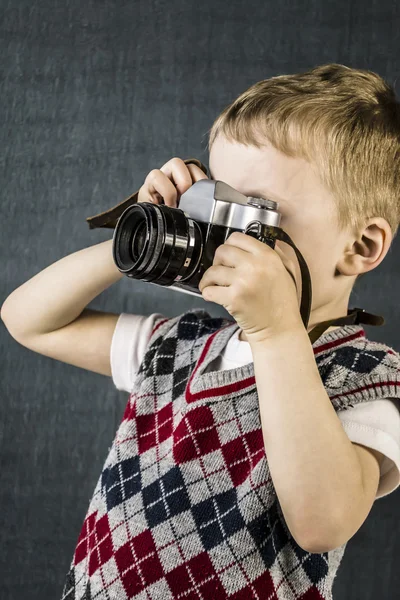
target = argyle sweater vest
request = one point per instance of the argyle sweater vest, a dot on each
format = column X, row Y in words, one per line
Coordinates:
column 185, row 507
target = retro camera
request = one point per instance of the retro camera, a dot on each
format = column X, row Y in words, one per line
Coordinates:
column 175, row 246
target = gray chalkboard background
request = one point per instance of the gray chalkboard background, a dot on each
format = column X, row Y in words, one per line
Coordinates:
column 93, row 96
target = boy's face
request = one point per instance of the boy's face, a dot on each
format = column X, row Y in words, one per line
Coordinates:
column 308, row 216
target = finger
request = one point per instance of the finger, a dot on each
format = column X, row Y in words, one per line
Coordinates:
column 160, row 189
column 246, row 242
column 228, row 255
column 196, row 173
column 182, row 176
column 218, row 294
column 217, row 275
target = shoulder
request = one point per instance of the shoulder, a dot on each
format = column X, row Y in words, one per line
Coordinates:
column 355, row 369
column 356, row 352
column 368, row 356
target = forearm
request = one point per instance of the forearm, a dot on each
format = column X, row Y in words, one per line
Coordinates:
column 310, row 457
column 57, row 295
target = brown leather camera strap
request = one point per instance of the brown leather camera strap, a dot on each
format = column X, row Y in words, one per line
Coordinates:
column 108, row 219
column 355, row 316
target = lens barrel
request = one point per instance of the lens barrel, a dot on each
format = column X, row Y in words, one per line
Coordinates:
column 157, row 243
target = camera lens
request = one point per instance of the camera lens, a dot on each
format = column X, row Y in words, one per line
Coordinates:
column 157, row 243
column 138, row 240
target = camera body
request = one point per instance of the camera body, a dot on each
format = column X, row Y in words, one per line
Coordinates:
column 173, row 247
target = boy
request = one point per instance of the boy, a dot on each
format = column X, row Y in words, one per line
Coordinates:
column 247, row 457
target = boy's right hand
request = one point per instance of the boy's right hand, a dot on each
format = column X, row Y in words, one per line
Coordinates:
column 166, row 185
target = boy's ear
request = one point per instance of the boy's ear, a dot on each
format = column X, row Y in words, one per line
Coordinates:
column 369, row 248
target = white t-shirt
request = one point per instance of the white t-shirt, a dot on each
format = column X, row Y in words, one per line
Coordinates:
column 375, row 424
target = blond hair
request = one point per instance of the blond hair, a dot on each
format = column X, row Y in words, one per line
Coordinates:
column 346, row 121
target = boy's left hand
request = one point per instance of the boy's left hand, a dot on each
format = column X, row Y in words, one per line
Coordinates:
column 249, row 279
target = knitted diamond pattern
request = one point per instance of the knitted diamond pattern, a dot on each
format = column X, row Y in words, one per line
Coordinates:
column 185, row 507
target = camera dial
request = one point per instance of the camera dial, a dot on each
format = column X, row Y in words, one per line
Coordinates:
column 262, row 202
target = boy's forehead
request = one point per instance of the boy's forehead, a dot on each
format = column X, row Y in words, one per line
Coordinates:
column 264, row 172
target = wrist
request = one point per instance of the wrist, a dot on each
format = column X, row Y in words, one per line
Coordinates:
column 289, row 337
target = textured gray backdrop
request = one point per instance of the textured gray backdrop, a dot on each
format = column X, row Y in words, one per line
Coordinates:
column 93, row 96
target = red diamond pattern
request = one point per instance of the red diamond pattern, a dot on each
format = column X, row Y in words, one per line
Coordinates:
column 154, row 428
column 242, row 454
column 195, row 435
column 101, row 546
column 138, row 563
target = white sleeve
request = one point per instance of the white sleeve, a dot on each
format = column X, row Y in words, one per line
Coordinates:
column 376, row 424
column 128, row 347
